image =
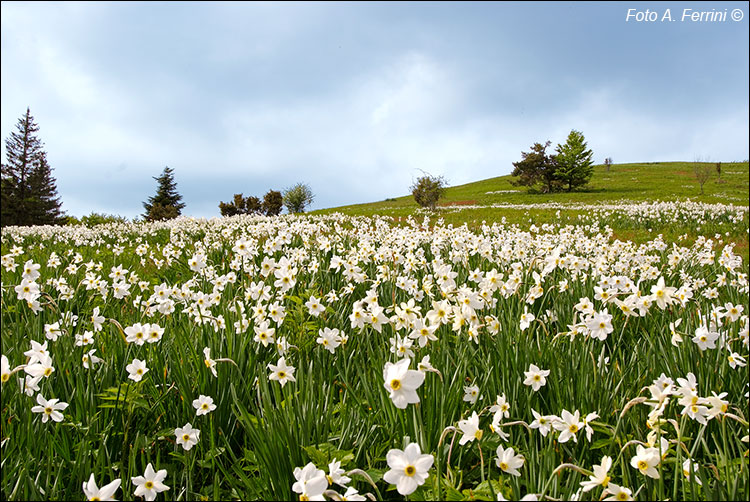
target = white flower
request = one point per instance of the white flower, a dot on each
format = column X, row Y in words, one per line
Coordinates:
column 542, row 422
column 408, row 468
column 5, row 370
column 402, row 383
column 154, row 332
column 329, row 339
column 535, row 377
column 210, row 363
column 150, row 484
column 314, row 306
column 617, row 493
column 736, row 360
column 89, row 358
column 49, row 409
column 281, row 372
column 526, row 319
column 568, row 425
column 646, row 460
column 470, row 428
column 508, row 461
column 106, row 492
column 136, row 369
column 600, row 476
column 187, row 437
column 471, row 393
column 690, row 470
column 336, row 474
column 203, row 405
column 705, row 339
column 136, row 333
column 311, row 482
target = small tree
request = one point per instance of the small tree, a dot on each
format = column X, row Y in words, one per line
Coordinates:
column 702, row 172
column 718, row 171
column 574, row 161
column 272, row 203
column 166, row 203
column 428, row 189
column 28, row 191
column 608, row 163
column 536, row 167
column 298, row 197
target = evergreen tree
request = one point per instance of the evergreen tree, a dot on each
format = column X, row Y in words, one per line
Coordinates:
column 166, row 203
column 575, row 164
column 28, row 192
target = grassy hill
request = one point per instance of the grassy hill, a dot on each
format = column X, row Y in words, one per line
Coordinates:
column 666, row 181
column 472, row 203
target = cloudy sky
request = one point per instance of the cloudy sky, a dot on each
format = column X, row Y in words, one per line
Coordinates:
column 357, row 99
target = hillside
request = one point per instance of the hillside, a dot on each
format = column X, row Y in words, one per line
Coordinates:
column 621, row 189
column 665, row 181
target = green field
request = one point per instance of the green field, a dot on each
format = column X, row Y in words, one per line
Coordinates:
column 408, row 356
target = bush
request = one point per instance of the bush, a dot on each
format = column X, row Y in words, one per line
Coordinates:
column 428, row 189
column 298, row 197
column 272, row 203
column 241, row 205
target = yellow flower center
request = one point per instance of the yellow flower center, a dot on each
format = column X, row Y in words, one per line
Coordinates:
column 282, row 374
column 48, row 410
column 149, row 485
column 622, row 496
column 5, row 377
column 606, row 481
column 395, row 384
column 573, row 428
column 185, row 437
column 410, row 470
column 47, row 371
column 504, row 466
column 537, row 378
column 642, row 465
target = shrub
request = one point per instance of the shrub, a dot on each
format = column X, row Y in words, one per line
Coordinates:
column 240, row 205
column 428, row 189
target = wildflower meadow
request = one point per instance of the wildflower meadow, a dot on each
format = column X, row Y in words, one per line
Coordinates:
column 363, row 358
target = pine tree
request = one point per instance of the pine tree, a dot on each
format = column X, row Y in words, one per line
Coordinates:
column 166, row 203
column 28, row 192
column 575, row 164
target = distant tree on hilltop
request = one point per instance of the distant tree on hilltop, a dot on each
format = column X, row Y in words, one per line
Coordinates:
column 536, row 167
column 28, row 191
column 166, row 203
column 575, row 164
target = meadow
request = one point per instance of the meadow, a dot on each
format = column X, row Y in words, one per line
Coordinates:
column 351, row 357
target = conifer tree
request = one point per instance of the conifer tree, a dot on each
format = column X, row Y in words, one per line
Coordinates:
column 166, row 203
column 575, row 164
column 28, row 191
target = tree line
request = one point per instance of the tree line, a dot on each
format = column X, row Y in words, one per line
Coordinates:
column 28, row 191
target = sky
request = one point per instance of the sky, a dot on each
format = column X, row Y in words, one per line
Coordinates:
column 359, row 99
